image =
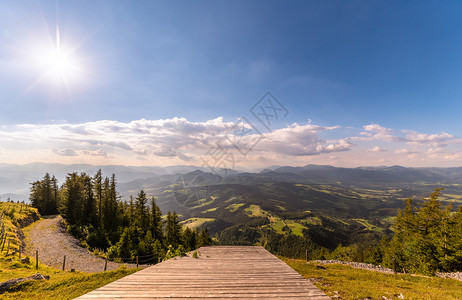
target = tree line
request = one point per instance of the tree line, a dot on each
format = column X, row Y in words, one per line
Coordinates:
column 95, row 213
column 426, row 237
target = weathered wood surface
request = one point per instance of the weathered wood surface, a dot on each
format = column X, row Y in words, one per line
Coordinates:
column 221, row 272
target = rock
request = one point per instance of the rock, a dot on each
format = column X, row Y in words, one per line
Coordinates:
column 25, row 260
column 356, row 265
column 453, row 275
column 7, row 285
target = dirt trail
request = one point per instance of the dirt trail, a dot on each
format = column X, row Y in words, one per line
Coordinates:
column 49, row 237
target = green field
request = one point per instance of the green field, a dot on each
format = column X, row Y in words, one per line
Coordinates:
column 210, row 210
column 296, row 228
column 62, row 284
column 345, row 282
column 256, row 211
column 196, row 222
column 234, row 207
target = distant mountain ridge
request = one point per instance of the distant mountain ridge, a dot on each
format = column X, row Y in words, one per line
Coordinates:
column 15, row 179
column 320, row 198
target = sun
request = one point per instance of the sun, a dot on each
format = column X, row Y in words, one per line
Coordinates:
column 59, row 63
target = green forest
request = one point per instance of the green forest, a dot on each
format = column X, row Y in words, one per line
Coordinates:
column 425, row 236
column 95, row 213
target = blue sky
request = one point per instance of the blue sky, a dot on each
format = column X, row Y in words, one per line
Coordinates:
column 364, row 82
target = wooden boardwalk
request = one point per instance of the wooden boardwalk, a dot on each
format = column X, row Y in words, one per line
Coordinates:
column 221, row 272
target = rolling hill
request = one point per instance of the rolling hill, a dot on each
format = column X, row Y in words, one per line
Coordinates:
column 286, row 199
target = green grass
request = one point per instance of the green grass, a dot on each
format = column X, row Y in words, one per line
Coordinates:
column 256, row 211
column 281, row 207
column 278, row 225
column 210, row 210
column 234, row 207
column 296, row 228
column 62, row 285
column 351, row 283
column 196, row 222
column 203, row 202
column 12, row 214
column 368, row 226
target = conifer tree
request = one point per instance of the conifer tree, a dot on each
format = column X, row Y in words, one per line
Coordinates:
column 72, row 200
column 204, row 239
column 98, row 191
column 142, row 215
column 156, row 221
column 172, row 230
column 190, row 238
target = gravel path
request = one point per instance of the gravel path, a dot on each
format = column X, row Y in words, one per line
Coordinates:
column 53, row 242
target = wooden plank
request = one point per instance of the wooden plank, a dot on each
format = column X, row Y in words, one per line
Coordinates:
column 221, row 272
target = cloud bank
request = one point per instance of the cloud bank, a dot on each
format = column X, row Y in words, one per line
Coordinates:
column 180, row 141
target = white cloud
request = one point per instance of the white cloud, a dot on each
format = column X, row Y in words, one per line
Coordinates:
column 453, row 156
column 178, row 140
column 406, row 151
column 433, row 140
column 377, row 149
column 301, row 140
column 65, row 152
column 168, row 139
column 376, row 132
column 99, row 152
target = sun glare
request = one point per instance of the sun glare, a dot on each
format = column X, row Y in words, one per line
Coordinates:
column 59, row 63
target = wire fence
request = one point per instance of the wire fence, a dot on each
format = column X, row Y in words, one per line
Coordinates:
column 9, row 243
column 136, row 260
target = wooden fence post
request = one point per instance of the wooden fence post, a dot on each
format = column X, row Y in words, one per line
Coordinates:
column 64, row 262
column 3, row 241
column 394, row 265
column 137, row 261
column 105, row 265
column 36, row 259
column 306, row 255
column 8, row 248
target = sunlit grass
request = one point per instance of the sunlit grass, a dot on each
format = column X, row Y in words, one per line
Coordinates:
column 350, row 283
column 196, row 222
column 61, row 285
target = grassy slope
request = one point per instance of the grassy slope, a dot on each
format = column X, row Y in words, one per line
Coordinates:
column 196, row 222
column 62, row 285
column 351, row 283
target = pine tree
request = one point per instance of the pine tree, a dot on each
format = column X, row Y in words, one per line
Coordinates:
column 44, row 195
column 204, row 239
column 113, row 202
column 131, row 212
column 124, row 245
column 172, row 230
column 190, row 239
column 35, row 196
column 89, row 202
column 98, row 191
column 55, row 195
column 142, row 215
column 72, row 202
column 423, row 236
column 156, row 221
